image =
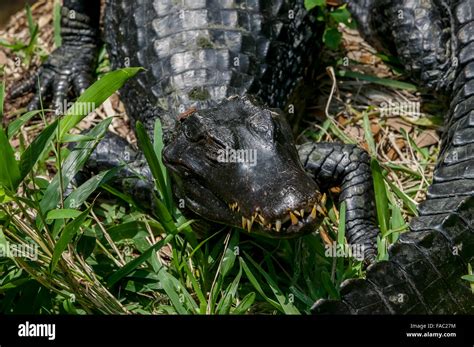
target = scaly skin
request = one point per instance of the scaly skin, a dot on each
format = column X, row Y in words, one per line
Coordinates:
column 189, row 51
column 423, row 274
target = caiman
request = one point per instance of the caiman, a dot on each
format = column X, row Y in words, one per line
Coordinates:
column 217, row 75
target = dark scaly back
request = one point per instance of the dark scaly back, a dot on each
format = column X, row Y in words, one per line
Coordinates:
column 198, row 52
column 423, row 274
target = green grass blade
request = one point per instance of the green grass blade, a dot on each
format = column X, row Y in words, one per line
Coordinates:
column 158, row 146
column 257, row 286
column 14, row 126
column 341, row 229
column 287, row 307
column 381, row 200
column 196, row 287
column 368, row 136
column 153, row 161
column 170, row 290
column 133, row 264
column 29, row 17
column 67, row 235
column 228, row 260
column 409, row 202
column 95, row 94
column 329, row 285
column 2, row 97
column 57, row 24
column 36, row 149
column 229, row 295
column 377, row 80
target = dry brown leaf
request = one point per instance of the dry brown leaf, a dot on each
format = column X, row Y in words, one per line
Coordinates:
column 427, row 138
column 397, row 123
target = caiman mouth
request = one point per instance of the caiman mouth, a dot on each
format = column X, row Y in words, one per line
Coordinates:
column 291, row 223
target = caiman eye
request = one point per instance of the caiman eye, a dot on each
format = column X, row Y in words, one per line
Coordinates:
column 261, row 123
column 193, row 130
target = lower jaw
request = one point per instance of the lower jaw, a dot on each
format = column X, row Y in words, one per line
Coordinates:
column 305, row 229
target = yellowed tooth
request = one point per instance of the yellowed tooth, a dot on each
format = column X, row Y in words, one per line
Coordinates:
column 323, row 199
column 302, row 213
column 244, row 222
column 261, row 218
column 278, row 225
column 321, row 210
column 294, row 219
column 249, row 224
column 297, row 212
column 313, row 212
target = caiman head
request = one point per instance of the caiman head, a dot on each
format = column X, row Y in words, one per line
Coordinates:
column 237, row 164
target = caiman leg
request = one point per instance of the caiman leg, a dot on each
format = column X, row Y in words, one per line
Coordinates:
column 348, row 167
column 72, row 64
column 134, row 177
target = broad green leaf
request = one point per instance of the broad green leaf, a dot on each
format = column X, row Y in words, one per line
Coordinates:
column 70, row 230
column 128, row 230
column 332, row 38
column 34, row 151
column 71, row 166
column 9, row 169
column 95, row 94
column 81, row 193
column 341, row 15
column 245, row 304
column 76, row 138
column 469, row 278
column 310, row 4
column 62, row 213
